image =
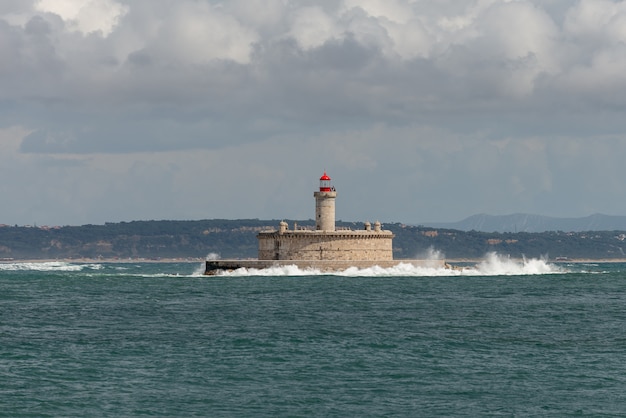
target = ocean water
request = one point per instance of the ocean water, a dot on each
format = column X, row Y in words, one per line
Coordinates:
column 156, row 339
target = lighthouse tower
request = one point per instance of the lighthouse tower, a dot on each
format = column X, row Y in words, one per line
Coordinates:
column 325, row 205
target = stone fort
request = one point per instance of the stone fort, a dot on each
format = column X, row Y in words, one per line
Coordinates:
column 326, row 242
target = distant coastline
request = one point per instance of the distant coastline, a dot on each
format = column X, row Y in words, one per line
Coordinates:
column 568, row 261
column 176, row 241
column 202, row 259
column 103, row 260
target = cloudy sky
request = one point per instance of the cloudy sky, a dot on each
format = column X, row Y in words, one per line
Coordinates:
column 420, row 110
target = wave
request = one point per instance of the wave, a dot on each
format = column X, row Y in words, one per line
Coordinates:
column 492, row 265
column 497, row 265
column 47, row 266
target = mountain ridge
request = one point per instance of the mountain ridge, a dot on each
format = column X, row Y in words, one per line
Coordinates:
column 522, row 222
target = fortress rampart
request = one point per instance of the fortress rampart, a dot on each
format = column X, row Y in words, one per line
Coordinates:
column 325, row 245
column 326, row 248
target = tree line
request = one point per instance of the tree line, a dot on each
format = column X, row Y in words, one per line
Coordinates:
column 237, row 239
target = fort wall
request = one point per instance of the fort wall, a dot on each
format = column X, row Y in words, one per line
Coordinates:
column 325, row 248
column 325, row 245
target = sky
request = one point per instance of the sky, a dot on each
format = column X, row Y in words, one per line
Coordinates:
column 419, row 110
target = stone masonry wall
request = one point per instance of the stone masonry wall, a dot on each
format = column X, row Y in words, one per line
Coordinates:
column 326, row 246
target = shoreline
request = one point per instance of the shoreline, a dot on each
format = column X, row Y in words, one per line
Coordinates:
column 553, row 261
column 103, row 260
column 202, row 260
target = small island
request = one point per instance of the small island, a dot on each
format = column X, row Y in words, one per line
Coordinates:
column 326, row 248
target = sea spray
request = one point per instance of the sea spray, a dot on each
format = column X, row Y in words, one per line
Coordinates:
column 47, row 266
column 497, row 265
column 492, row 265
column 431, row 254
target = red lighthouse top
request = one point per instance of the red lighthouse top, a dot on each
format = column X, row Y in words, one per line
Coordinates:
column 325, row 183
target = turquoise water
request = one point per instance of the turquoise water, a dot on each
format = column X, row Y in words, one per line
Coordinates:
column 162, row 340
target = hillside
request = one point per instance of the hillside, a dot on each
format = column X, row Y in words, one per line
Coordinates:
column 237, row 239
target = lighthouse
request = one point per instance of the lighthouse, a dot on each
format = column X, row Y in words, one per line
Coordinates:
column 325, row 248
column 325, row 205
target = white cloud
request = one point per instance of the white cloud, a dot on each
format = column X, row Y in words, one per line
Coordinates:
column 312, row 27
column 86, row 16
column 395, row 11
column 400, row 30
column 597, row 21
column 198, row 33
column 492, row 103
column 264, row 14
column 518, row 29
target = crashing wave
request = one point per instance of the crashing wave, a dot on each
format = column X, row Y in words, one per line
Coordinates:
column 492, row 265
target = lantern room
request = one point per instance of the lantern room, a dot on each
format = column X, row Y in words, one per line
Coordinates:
column 325, row 183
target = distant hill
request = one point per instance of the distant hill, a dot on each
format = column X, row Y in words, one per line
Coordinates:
column 520, row 222
column 237, row 239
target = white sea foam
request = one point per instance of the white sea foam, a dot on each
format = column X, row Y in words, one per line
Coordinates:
column 496, row 265
column 199, row 271
column 492, row 265
column 289, row 270
column 48, row 266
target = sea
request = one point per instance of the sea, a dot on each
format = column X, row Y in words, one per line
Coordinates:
column 500, row 338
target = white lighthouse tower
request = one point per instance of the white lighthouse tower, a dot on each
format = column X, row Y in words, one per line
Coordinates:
column 325, row 205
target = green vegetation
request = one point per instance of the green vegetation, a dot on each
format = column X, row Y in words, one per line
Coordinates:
column 237, row 239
